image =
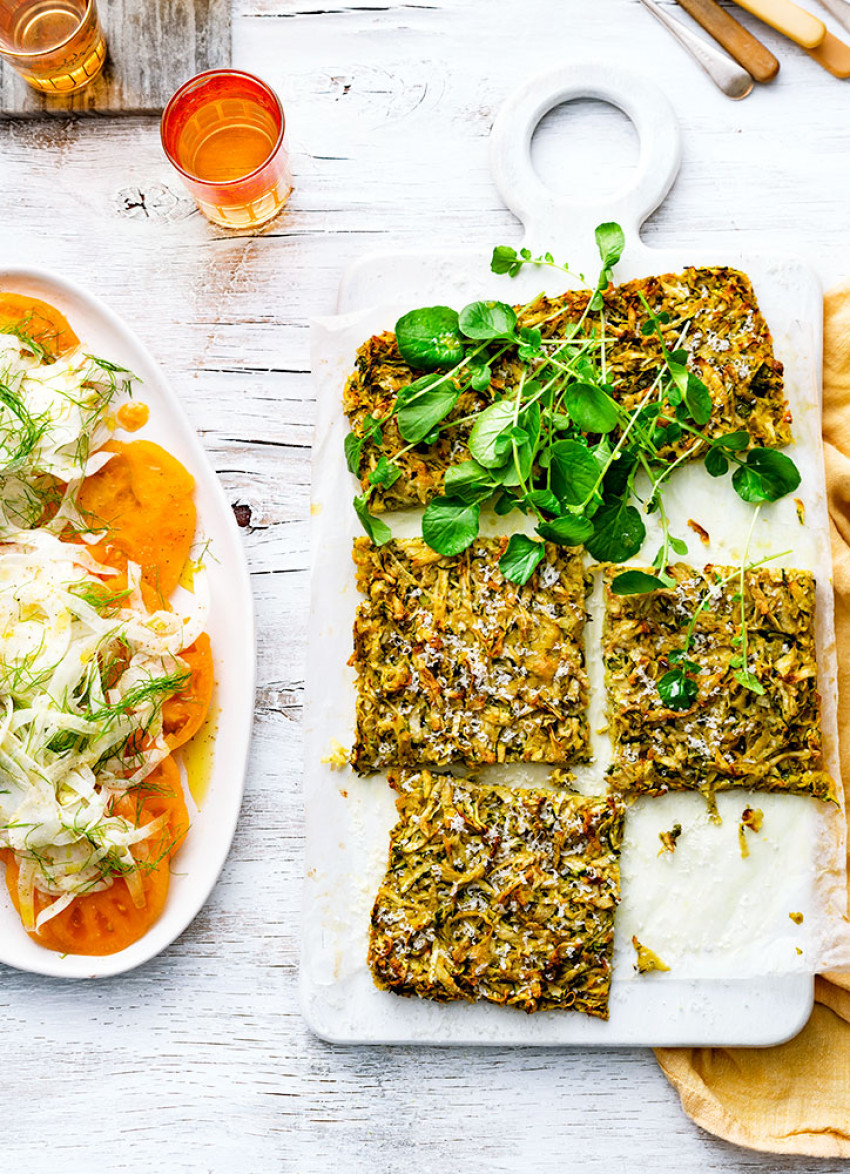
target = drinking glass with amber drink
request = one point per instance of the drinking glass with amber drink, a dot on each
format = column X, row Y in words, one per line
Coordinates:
column 55, row 45
column 223, row 131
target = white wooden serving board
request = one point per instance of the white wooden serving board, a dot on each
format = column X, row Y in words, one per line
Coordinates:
column 737, row 974
column 231, row 629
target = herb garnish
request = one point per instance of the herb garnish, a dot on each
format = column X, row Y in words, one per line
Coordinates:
column 557, row 445
column 678, row 688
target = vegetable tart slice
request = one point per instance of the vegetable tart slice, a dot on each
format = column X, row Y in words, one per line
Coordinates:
column 498, row 894
column 699, row 701
column 457, row 664
column 711, row 314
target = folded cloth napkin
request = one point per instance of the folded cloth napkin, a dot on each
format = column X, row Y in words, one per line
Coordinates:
column 795, row 1098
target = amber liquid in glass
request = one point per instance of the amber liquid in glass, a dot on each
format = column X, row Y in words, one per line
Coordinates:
column 57, row 45
column 226, row 140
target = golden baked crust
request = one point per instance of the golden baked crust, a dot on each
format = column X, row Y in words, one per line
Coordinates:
column 731, row 736
column 713, row 314
column 456, row 664
column 500, row 894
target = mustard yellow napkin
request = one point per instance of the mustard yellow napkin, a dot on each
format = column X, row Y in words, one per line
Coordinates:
column 795, row 1098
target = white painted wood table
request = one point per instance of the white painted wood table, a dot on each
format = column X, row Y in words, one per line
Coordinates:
column 200, row 1061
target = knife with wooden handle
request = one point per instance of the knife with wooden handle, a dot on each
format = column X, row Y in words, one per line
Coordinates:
column 833, row 55
column 735, row 39
column 788, row 18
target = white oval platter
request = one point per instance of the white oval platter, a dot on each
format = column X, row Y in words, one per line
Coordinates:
column 196, row 868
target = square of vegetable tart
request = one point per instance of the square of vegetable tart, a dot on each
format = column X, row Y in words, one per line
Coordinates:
column 699, row 700
column 499, row 894
column 711, row 315
column 457, row 664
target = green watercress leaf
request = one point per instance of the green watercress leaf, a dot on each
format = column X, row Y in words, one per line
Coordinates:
column 570, row 530
column 618, row 532
column 698, row 399
column 531, row 341
column 385, row 473
column 766, row 476
column 483, row 321
column 543, row 499
column 678, row 372
column 574, row 471
column 617, row 481
column 520, row 559
column 491, row 425
column 468, row 481
column 430, row 338
column 450, row 524
column 679, row 656
column 652, row 323
column 526, row 439
column 590, row 408
column 372, row 430
column 353, row 446
column 663, row 434
column 505, row 260
column 377, row 530
column 610, row 240
column 749, row 681
column 635, row 583
column 734, row 441
column 481, row 378
column 560, row 422
column 677, row 690
column 678, row 545
column 716, row 463
column 422, row 405
column 506, row 502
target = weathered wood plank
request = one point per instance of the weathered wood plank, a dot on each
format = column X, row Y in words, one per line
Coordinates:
column 200, row 1061
column 152, row 49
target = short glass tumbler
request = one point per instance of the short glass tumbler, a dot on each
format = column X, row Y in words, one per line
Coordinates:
column 55, row 45
column 223, row 131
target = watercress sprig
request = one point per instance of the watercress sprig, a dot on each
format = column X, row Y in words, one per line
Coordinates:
column 678, row 688
column 557, row 443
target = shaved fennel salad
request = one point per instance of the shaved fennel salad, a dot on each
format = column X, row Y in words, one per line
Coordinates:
column 82, row 676
column 91, row 804
column 53, row 416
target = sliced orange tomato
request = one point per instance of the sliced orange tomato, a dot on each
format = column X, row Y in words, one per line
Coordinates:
column 42, row 322
column 143, row 498
column 115, row 586
column 184, row 713
column 161, row 793
column 107, row 921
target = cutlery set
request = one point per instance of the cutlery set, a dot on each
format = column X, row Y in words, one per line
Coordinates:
column 738, row 60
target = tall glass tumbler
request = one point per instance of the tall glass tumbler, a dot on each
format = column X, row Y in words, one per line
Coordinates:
column 55, row 45
column 223, row 131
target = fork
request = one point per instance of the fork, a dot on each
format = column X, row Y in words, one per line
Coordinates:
column 726, row 74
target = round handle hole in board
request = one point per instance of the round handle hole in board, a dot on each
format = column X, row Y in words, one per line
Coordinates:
column 585, row 147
